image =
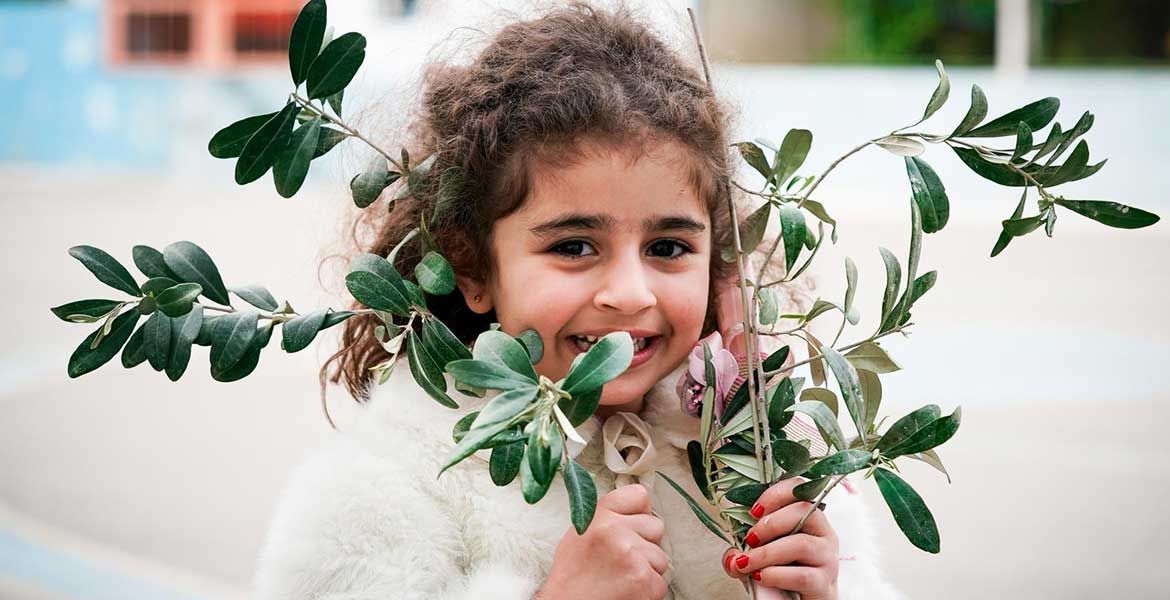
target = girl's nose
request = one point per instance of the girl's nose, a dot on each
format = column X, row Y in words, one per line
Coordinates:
column 625, row 287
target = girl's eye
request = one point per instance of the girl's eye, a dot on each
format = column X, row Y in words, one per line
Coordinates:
column 669, row 249
column 574, row 248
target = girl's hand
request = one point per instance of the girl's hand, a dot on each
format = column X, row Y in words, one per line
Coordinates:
column 804, row 562
column 618, row 557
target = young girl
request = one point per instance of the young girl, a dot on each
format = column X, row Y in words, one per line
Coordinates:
column 597, row 170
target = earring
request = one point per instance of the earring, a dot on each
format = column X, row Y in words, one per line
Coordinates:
column 477, row 297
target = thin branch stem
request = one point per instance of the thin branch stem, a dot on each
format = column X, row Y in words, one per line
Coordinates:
column 320, row 111
column 817, row 182
column 819, row 498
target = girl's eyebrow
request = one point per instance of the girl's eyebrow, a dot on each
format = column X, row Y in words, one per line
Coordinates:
column 578, row 221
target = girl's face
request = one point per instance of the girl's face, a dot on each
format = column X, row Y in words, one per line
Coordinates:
column 601, row 246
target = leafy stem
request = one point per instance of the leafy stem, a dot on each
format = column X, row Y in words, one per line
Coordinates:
column 320, row 112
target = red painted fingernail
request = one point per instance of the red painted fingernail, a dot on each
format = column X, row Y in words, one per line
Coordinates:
column 727, row 562
column 753, row 540
column 741, row 561
column 756, row 576
column 758, row 510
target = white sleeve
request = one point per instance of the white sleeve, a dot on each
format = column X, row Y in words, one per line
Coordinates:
column 354, row 526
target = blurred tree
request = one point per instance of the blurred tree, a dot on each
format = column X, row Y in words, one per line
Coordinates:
column 914, row 31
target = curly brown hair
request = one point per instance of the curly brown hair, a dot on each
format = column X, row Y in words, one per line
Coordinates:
column 538, row 89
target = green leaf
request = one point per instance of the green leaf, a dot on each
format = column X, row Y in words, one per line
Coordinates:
column 106, row 268
column 1071, row 170
column 907, row 426
column 229, row 142
column 532, row 343
column 177, row 300
column 1081, row 128
column 305, row 40
column 1005, row 237
column 939, row 97
column 134, row 352
column 184, row 330
column 850, row 291
column 751, row 232
column 871, row 390
column 975, row 114
column 792, row 457
column 776, row 359
column 231, row 338
column 850, row 386
column 531, row 488
column 463, row 425
column 746, row 495
column 819, row 308
column 157, row 285
column 375, row 282
column 327, row 139
column 793, row 150
column 443, row 343
column 333, row 317
column 768, row 308
column 546, row 447
column 151, row 262
column 297, row 334
column 818, row 211
column 95, row 309
column 825, row 421
column 604, row 361
column 335, row 101
column 251, row 357
column 893, row 282
column 434, row 274
column 781, row 398
column 923, row 285
column 262, row 148
column 501, row 349
column 85, row 359
column 792, row 230
column 901, row 145
column 487, row 375
column 504, row 464
column 822, row 395
column 1111, row 213
column 809, row 490
column 256, row 295
column 292, row 164
column 1001, row 174
column 1024, row 226
column 473, row 440
column 335, row 67
column 505, row 406
column 1023, row 142
column 1037, row 115
column 698, row 469
column 754, row 156
column 910, row 512
column 872, row 357
column 841, row 463
column 929, row 194
column 931, row 435
column 427, row 372
column 193, row 265
column 704, row 518
column 1054, row 140
column 580, row 406
column 367, row 186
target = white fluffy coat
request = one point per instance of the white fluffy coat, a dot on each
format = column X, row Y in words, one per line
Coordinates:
column 366, row 518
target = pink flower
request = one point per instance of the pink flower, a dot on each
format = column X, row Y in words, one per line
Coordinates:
column 694, row 382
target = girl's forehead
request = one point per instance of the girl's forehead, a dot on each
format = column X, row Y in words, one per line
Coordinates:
column 614, row 181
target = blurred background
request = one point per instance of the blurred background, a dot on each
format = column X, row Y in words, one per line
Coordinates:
column 123, row 485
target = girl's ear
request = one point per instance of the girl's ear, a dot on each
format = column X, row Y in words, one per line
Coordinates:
column 475, row 294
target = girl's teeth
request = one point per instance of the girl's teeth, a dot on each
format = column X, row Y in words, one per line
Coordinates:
column 585, row 342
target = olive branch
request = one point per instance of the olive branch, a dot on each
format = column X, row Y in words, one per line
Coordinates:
column 526, row 423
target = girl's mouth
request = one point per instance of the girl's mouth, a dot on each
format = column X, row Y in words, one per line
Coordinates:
column 644, row 347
